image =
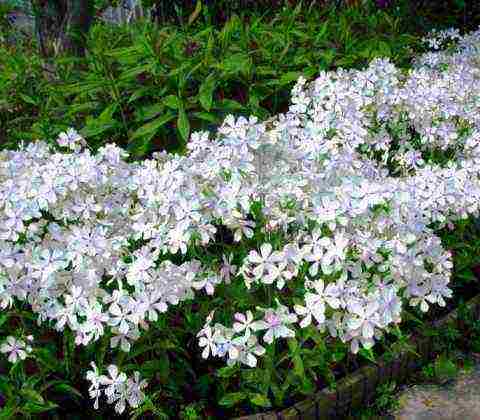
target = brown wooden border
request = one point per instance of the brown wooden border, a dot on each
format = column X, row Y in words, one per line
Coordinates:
column 358, row 389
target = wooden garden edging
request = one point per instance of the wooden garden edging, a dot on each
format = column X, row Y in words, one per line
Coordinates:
column 358, row 389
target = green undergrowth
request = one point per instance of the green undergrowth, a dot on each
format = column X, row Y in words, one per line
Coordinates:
column 147, row 87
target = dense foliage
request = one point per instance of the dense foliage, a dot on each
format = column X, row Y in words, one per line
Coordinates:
column 248, row 266
column 147, row 87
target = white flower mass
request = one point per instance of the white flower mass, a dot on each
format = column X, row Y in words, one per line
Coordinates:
column 352, row 182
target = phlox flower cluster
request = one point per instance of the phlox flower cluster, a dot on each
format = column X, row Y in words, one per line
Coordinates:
column 117, row 387
column 437, row 39
column 331, row 206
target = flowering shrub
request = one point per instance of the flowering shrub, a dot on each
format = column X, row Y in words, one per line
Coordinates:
column 324, row 218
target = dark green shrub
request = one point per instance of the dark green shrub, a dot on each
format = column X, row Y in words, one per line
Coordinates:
column 147, row 87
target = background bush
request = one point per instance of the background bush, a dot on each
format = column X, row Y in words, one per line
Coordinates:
column 146, row 86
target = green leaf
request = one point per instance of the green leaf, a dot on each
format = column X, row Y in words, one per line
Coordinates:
column 135, row 71
column 232, row 398
column 32, row 396
column 83, row 87
column 148, row 112
column 227, row 371
column 229, row 105
column 321, row 32
column 33, row 408
column 196, row 12
column 367, row 354
column 294, row 353
column 46, row 358
column 65, row 388
column 81, row 107
column 260, row 400
column 172, row 101
column 148, row 407
column 152, row 127
column 289, row 77
column 3, row 319
column 206, row 116
column 278, row 393
column 28, row 99
column 206, row 92
column 237, row 63
column 104, row 122
column 107, row 114
column 384, row 49
column 160, row 366
column 139, row 93
column 183, row 125
column 5, row 386
column 308, row 387
column 8, row 413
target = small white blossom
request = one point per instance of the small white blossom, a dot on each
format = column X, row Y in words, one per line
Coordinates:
column 16, row 349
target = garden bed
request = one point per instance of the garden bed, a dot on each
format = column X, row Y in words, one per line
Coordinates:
column 254, row 266
column 356, row 390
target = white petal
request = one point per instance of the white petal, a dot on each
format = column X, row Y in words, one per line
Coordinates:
column 266, row 250
column 254, row 257
column 313, row 270
column 367, row 330
column 268, row 337
column 233, row 353
column 251, row 360
column 5, row 348
column 305, row 322
column 205, row 352
column 424, row 306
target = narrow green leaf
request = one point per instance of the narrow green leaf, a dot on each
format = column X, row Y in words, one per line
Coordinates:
column 33, row 408
column 260, row 400
column 3, row 319
column 171, row 101
column 183, row 124
column 237, row 63
column 68, row 389
column 8, row 413
column 367, row 354
column 81, row 107
column 160, row 366
column 148, row 112
column 107, row 114
column 321, row 32
column 206, row 92
column 152, row 127
column 94, row 128
column 226, row 371
column 46, row 358
column 32, row 396
column 28, row 99
column 139, row 93
column 196, row 12
column 228, row 105
column 206, row 116
column 232, row 398
column 289, row 77
column 298, row 367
